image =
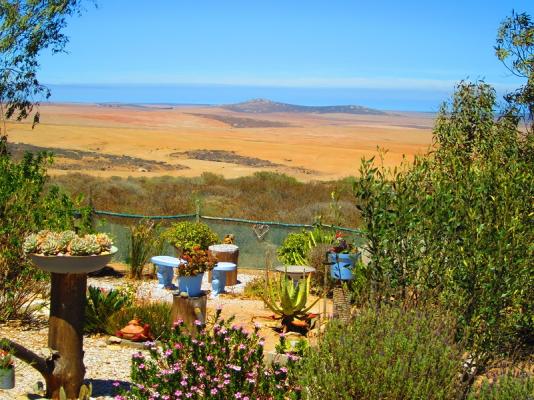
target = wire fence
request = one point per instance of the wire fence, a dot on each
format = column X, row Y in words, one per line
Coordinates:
column 256, row 239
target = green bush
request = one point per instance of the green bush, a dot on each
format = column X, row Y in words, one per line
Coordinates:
column 100, row 307
column 186, row 235
column 296, row 246
column 385, row 354
column 26, row 207
column 156, row 314
column 255, row 288
column 505, row 388
column 144, row 243
column 455, row 226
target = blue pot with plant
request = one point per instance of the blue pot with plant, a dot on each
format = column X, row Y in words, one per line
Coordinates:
column 342, row 257
column 191, row 272
column 7, row 370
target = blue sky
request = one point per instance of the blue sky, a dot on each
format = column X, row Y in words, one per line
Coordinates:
column 423, row 45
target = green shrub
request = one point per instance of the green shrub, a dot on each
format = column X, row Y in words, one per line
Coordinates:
column 100, row 307
column 385, row 354
column 296, row 246
column 255, row 288
column 455, row 226
column 186, row 235
column 224, row 362
column 505, row 388
column 156, row 314
column 144, row 243
column 25, row 207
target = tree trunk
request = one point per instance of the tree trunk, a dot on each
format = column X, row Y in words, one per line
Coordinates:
column 65, row 334
column 225, row 253
column 189, row 309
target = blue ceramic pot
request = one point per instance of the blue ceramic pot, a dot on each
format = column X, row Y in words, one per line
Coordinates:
column 342, row 265
column 7, row 378
column 191, row 284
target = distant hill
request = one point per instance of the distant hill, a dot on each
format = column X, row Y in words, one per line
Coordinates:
column 264, row 106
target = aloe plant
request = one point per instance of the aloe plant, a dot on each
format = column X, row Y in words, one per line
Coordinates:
column 287, row 300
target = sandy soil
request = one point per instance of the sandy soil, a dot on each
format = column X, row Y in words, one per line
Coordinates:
column 306, row 146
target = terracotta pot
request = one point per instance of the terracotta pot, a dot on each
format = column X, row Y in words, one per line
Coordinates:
column 72, row 264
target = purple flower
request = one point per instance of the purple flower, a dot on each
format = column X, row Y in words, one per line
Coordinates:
column 119, row 397
column 141, row 366
column 178, row 393
column 116, row 384
column 168, row 352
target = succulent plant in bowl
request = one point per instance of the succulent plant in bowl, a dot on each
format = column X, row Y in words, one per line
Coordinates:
column 67, row 243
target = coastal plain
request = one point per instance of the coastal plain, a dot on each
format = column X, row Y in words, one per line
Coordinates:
column 154, row 140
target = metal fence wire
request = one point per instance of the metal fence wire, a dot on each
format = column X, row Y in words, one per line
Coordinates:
column 254, row 238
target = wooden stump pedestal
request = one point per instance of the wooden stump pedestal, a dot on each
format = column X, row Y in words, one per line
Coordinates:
column 225, row 253
column 65, row 334
column 189, row 309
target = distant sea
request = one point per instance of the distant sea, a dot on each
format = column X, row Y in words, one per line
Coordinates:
column 175, row 94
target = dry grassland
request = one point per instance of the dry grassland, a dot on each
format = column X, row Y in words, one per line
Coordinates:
column 305, row 146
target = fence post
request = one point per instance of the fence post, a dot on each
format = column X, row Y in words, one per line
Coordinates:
column 197, row 212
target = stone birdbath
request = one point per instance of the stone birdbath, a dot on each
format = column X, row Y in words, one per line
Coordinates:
column 295, row 272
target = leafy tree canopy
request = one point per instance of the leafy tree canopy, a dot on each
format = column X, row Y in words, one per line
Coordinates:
column 26, row 28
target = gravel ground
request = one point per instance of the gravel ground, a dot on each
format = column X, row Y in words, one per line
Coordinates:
column 150, row 290
column 105, row 363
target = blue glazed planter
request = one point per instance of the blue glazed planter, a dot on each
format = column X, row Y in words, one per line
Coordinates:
column 191, row 284
column 7, row 378
column 342, row 265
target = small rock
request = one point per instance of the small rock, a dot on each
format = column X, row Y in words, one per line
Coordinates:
column 114, row 340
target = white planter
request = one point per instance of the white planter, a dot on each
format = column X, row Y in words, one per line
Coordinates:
column 72, row 264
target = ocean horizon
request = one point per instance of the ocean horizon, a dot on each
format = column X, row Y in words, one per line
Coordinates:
column 415, row 100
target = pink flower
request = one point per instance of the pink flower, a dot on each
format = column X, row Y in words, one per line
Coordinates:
column 183, row 382
column 214, row 391
column 209, row 357
column 238, row 395
column 141, row 366
column 198, row 323
column 116, row 384
column 178, row 393
column 168, row 352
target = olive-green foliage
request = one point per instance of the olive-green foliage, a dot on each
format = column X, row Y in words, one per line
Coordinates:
column 156, row 314
column 263, row 196
column 515, row 48
column 387, row 353
column 456, row 226
column 186, row 235
column 101, row 305
column 296, row 246
column 27, row 28
column 145, row 242
column 505, row 388
column 255, row 288
column 25, row 207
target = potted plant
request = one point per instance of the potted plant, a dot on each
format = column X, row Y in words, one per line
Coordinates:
column 7, row 370
column 186, row 235
column 342, row 256
column 66, row 252
column 191, row 272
